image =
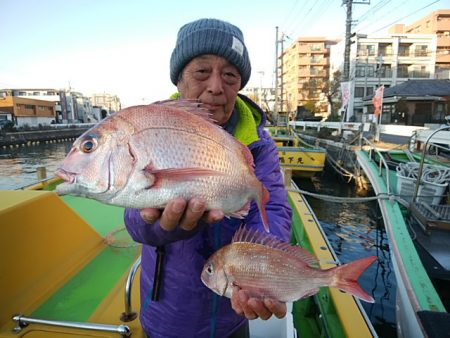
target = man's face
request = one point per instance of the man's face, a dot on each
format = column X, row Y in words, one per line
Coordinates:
column 214, row 81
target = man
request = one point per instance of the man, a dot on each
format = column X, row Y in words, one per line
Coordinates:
column 210, row 63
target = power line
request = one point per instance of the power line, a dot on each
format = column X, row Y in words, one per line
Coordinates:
column 375, row 17
column 372, row 10
column 301, row 21
column 291, row 12
column 406, row 16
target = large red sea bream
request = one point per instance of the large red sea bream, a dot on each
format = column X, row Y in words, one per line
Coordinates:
column 143, row 156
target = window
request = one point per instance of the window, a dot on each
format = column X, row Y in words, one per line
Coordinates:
column 370, row 50
column 385, row 71
column 363, row 70
column 384, row 49
column 402, row 71
column 403, row 50
column 359, row 91
column 438, row 115
column 316, row 59
column 421, row 50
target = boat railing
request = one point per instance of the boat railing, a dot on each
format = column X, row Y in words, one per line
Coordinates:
column 128, row 315
column 422, row 160
column 382, row 164
column 123, row 330
column 23, row 321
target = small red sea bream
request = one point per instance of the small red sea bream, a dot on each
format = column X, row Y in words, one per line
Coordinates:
column 265, row 267
column 144, row 156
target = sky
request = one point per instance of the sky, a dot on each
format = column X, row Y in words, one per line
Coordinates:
column 123, row 47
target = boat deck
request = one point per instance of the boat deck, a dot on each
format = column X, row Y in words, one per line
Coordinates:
column 62, row 268
column 68, row 260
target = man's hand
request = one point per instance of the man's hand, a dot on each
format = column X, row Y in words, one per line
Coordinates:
column 253, row 308
column 182, row 213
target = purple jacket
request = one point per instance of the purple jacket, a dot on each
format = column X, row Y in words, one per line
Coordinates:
column 187, row 308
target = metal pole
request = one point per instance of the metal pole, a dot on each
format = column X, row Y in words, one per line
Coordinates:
column 23, row 321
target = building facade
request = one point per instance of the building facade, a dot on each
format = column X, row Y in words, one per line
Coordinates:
column 106, row 101
column 388, row 60
column 27, row 111
column 69, row 106
column 438, row 22
column 305, row 73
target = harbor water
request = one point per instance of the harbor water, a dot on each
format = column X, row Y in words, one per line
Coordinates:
column 19, row 166
column 355, row 230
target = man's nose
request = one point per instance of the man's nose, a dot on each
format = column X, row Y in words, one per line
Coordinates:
column 215, row 83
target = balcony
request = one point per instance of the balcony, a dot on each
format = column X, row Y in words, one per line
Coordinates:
column 318, row 73
column 415, row 74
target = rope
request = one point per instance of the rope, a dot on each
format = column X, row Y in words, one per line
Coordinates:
column 338, row 199
column 119, row 238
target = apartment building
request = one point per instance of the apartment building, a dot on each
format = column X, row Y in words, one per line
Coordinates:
column 305, row 72
column 438, row 22
column 107, row 101
column 388, row 60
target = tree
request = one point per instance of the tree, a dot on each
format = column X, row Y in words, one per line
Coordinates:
column 332, row 90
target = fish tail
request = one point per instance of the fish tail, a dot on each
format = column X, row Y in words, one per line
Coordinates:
column 346, row 277
column 262, row 200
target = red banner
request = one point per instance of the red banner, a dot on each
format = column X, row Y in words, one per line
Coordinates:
column 377, row 100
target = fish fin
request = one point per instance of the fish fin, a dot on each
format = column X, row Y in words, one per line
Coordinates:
column 262, row 202
column 347, row 277
column 310, row 293
column 254, row 236
column 181, row 174
column 241, row 213
column 190, row 105
column 247, row 155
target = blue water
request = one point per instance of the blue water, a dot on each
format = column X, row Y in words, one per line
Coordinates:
column 18, row 166
column 356, row 231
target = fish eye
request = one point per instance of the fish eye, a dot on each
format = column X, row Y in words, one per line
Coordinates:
column 88, row 145
column 210, row 269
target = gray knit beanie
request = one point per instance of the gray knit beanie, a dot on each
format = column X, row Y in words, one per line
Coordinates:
column 210, row 36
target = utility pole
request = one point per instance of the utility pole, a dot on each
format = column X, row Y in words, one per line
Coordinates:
column 281, row 74
column 276, row 72
column 279, row 85
column 348, row 33
column 348, row 36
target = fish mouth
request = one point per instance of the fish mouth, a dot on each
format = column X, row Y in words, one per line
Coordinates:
column 67, row 176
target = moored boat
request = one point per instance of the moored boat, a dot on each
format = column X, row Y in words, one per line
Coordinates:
column 71, row 269
column 296, row 155
column 416, row 215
